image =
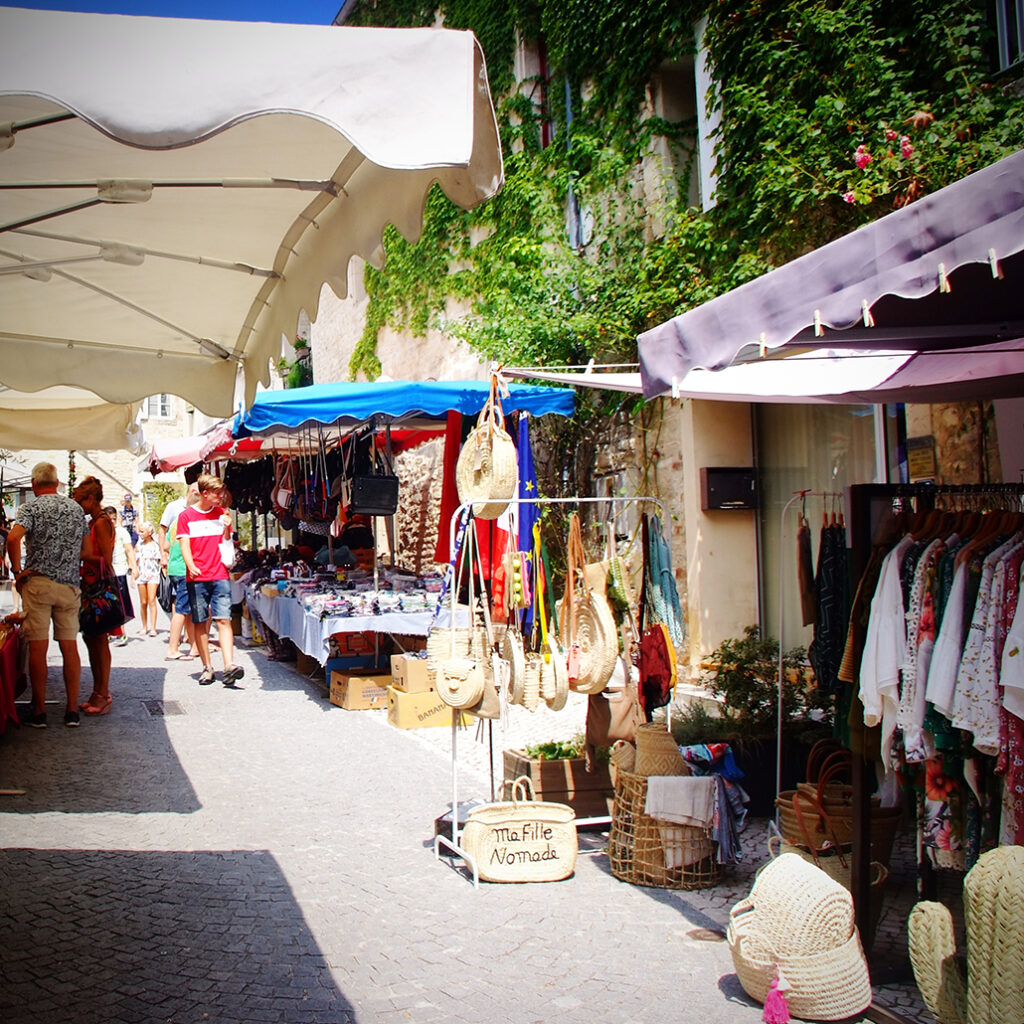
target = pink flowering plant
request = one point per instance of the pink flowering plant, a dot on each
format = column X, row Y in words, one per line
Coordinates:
column 889, row 165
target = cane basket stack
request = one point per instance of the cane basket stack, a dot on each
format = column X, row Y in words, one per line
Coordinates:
column 646, row 851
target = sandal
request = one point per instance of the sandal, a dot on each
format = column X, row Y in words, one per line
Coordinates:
column 94, row 697
column 99, row 708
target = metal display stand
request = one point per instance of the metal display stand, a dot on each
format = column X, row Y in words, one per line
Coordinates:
column 453, row 844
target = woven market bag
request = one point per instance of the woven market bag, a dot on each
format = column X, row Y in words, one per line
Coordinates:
column 657, row 752
column 487, row 471
column 522, row 840
column 831, row 984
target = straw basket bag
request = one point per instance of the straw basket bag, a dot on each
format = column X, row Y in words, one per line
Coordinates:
column 460, row 682
column 487, row 471
column 657, row 752
column 522, row 840
column 586, row 622
column 514, row 656
column 800, row 921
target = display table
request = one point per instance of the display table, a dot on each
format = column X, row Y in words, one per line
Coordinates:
column 311, row 634
column 9, row 672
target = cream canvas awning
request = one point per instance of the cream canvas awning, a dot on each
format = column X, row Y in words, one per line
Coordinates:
column 174, row 192
column 66, row 418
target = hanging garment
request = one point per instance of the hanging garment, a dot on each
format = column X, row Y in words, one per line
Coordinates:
column 832, row 590
column 449, row 489
column 884, row 647
column 805, row 574
column 1011, row 754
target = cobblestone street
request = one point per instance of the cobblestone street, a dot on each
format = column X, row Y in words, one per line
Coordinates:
column 256, row 854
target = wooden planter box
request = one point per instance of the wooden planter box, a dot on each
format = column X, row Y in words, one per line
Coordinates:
column 589, row 794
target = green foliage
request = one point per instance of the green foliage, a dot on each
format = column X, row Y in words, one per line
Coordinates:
column 745, row 677
column 803, row 84
column 156, row 496
column 562, row 750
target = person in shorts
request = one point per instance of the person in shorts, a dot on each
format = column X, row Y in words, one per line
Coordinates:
column 53, row 529
column 170, row 546
column 201, row 530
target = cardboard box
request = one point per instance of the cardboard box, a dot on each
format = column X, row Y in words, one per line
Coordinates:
column 410, row 674
column 405, row 642
column 346, row 666
column 306, row 665
column 359, row 692
column 418, row 710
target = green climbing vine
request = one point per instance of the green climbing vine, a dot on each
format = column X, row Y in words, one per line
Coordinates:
column 832, row 114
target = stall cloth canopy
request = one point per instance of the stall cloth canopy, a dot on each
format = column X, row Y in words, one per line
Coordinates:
column 66, row 418
column 941, row 278
column 403, row 401
column 173, row 192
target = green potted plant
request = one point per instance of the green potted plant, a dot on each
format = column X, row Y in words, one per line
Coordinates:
column 558, row 771
column 742, row 674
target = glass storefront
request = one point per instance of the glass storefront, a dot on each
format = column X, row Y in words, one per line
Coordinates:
column 821, row 448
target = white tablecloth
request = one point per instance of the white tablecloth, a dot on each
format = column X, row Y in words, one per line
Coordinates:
column 286, row 617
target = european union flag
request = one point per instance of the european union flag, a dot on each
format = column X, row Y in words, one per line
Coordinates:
column 528, row 513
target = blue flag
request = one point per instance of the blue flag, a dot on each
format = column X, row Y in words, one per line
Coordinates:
column 528, row 514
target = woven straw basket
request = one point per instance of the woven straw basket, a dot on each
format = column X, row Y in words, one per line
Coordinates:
column 487, row 472
column 531, row 681
column 522, row 840
column 832, row 984
column 657, row 752
column 554, row 677
column 597, row 638
column 460, row 682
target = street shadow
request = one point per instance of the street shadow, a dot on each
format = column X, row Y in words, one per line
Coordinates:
column 123, row 761
column 213, row 936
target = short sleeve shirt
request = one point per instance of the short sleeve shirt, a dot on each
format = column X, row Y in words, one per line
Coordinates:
column 128, row 514
column 54, row 529
column 205, row 532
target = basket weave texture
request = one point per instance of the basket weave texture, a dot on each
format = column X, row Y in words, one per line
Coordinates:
column 800, row 921
column 657, row 752
column 646, row 851
column 487, row 471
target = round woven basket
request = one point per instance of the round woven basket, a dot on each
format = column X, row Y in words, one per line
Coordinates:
column 657, row 752
column 515, row 658
column 487, row 472
column 554, row 678
column 598, row 642
column 799, row 907
column 531, row 681
column 461, row 682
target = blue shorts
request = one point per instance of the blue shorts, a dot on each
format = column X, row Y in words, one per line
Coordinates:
column 209, row 598
column 182, row 604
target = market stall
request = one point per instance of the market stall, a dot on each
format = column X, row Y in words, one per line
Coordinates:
column 327, row 436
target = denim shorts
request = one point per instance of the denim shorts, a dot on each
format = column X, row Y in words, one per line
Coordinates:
column 182, row 605
column 209, row 598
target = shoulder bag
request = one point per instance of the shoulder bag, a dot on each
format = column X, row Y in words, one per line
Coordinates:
column 102, row 609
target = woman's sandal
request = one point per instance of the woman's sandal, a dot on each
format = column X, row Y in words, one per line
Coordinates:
column 93, row 697
column 98, row 708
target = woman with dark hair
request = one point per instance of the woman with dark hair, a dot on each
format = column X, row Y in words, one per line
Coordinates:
column 97, row 560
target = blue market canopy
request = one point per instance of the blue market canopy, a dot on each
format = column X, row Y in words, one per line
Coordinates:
column 402, row 402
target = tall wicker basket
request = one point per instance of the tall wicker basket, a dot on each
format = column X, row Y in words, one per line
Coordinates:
column 646, row 851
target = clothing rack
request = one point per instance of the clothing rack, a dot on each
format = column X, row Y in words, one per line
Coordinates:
column 453, row 843
column 867, row 504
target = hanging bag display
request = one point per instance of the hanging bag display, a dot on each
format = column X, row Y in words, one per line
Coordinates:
column 375, row 493
column 165, row 593
column 102, row 607
column 586, row 622
column 487, row 471
column 657, row 658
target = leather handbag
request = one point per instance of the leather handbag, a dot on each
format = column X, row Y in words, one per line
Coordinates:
column 374, row 494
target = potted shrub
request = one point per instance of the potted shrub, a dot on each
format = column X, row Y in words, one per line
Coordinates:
column 559, row 773
column 743, row 674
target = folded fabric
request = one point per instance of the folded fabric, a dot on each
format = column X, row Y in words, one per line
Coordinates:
column 683, row 799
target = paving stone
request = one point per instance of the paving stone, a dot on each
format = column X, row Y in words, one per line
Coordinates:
column 266, row 856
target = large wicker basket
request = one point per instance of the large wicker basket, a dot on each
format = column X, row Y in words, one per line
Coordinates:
column 646, row 851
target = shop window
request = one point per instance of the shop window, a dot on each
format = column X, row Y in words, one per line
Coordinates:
column 157, row 407
column 821, row 448
column 1009, row 25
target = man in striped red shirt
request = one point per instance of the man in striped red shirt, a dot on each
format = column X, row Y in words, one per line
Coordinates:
column 201, row 530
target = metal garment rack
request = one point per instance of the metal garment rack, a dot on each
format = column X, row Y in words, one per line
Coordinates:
column 797, row 496
column 453, row 843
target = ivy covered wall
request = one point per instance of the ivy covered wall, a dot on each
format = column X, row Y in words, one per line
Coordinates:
column 833, row 114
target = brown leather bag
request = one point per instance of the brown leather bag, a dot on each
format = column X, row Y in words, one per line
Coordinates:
column 612, row 715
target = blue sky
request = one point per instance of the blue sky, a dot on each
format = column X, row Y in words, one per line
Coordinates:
column 303, row 12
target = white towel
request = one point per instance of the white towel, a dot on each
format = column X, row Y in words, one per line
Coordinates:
column 683, row 799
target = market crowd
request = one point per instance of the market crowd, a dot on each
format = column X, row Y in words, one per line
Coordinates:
column 71, row 558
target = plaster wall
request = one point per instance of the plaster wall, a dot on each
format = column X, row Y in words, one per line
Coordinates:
column 720, row 546
column 339, row 326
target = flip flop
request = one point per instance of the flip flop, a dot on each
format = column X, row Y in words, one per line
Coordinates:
column 178, row 657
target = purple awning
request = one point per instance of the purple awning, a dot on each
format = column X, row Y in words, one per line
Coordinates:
column 968, row 236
